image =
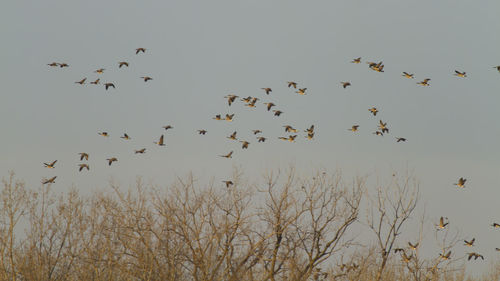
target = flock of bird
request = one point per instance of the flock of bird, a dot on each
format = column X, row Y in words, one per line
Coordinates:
column 251, row 102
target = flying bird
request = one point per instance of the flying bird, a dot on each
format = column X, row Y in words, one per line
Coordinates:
column 61, row 65
column 373, row 110
column 294, row 85
column 83, row 166
column 301, row 91
column 310, row 136
column 122, row 63
column 146, row 78
column 167, row 127
column 261, row 139
column 267, row 90
column 407, row 75
column 496, row 225
column 100, row 70
column 217, row 117
column 140, row 50
column 413, row 247
column 475, row 256
column 354, row 128
column 469, row 243
column 107, row 85
column 125, row 137
column 442, row 224
column 425, row 82
column 96, row 81
column 84, row 155
column 290, row 129
column 140, row 151
column 345, row 84
column 51, row 180
column 383, row 127
column 378, row 133
column 358, row 60
column 202, row 132
column 244, row 144
column 269, row 105
column 447, row 256
column 461, row 182
column 460, row 74
column 229, row 117
column 310, row 130
column 400, row 139
column 228, row 183
column 497, row 67
column 229, row 155
column 104, row 134
column 54, row 64
column 277, row 112
column 160, row 142
column 256, row 132
column 81, row 82
column 232, row 136
column 230, row 99
column 111, row 160
column 50, row 165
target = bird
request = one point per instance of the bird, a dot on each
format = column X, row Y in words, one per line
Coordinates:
column 122, row 63
column 413, row 247
column 247, row 99
column 61, row 65
column 81, row 82
column 290, row 129
column 291, row 138
column 294, row 85
column 442, row 224
column 54, row 64
column 301, row 91
column 229, row 117
column 146, row 78
column 244, row 144
column 497, row 67
column 140, row 50
column 230, row 98
column 107, row 85
column 228, row 183
column 383, row 127
column 269, row 105
column 96, row 81
column 104, row 134
column 84, row 155
column 83, row 166
column 167, row 127
column 261, row 139
column 202, row 132
column 160, row 142
column 378, row 133
column 251, row 104
column 358, row 60
column 406, row 258
column 217, row 117
column 111, row 160
column 407, row 75
column 460, row 74
column 51, row 180
column 267, row 90
column 50, row 165
column 310, row 130
column 373, row 110
column 100, row 70
column 229, row 155
column 345, row 84
column 310, row 136
column 400, row 139
column 496, row 225
column 446, row 257
column 125, row 137
column 475, row 256
column 469, row 243
column 397, row 250
column 277, row 112
column 425, row 82
column 140, row 151
column 256, row 132
column 232, row 136
column 354, row 128
column 461, row 182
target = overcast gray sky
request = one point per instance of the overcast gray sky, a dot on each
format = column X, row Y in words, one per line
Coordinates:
column 200, row 51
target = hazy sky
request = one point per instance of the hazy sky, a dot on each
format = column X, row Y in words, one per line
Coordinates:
column 200, row 51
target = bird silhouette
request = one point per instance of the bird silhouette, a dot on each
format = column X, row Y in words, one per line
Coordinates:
column 425, row 82
column 301, row 91
column 469, row 243
column 269, row 105
column 83, row 166
column 146, row 78
column 374, row 111
column 232, row 136
column 461, row 182
column 261, row 139
column 229, row 155
column 81, row 82
column 160, row 141
column 96, row 81
column 345, row 84
column 244, row 144
column 267, row 90
column 100, row 70
column 107, row 85
column 51, row 180
column 140, row 50
column 294, row 85
column 125, row 137
column 445, row 257
column 277, row 112
column 50, row 165
column 228, row 183
column 83, row 155
column 357, row 60
column 475, row 256
column 122, row 63
column 354, row 128
column 140, row 151
column 111, row 160
column 400, row 139
column 407, row 75
column 202, row 132
column 230, row 99
column 104, row 134
column 167, row 127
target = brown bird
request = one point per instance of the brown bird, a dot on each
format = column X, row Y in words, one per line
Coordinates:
column 256, row 132
column 345, row 84
column 310, row 136
column 442, row 224
column 83, row 166
column 267, row 90
column 310, row 130
column 122, row 63
column 400, row 139
column 301, row 91
column 50, row 165
column 229, row 155
column 146, row 78
column 140, row 151
column 461, row 182
column 104, row 134
column 160, row 142
column 469, row 243
column 425, row 82
column 397, row 250
column 202, row 132
column 229, row 117
column 247, row 99
column 230, row 99
column 290, row 129
column 111, row 160
column 378, row 133
column 61, row 65
column 383, row 127
column 358, row 60
column 232, row 136
column 277, row 112
column 447, row 256
column 291, row 138
column 407, row 75
column 96, row 81
column 244, row 144
column 84, row 155
column 269, row 105
column 217, row 117
column 294, row 85
column 475, row 256
column 51, row 180
column 140, row 50
column 125, row 137
column 496, row 225
column 107, row 85
column 413, row 247
column 167, row 127
column 373, row 110
column 406, row 258
column 228, row 183
column 100, row 70
column 354, row 128
column 460, row 74
column 81, row 82
column 54, row 64
column 261, row 139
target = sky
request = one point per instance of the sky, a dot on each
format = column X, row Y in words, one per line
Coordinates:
column 200, row 51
